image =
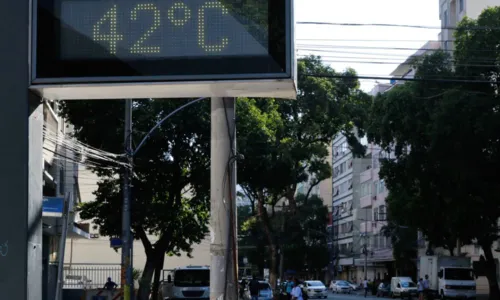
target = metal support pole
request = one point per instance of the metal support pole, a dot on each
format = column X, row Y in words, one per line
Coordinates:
column 68, row 206
column 223, row 266
column 126, row 274
column 282, row 253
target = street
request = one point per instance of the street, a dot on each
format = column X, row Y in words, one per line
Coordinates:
column 354, row 296
column 360, row 296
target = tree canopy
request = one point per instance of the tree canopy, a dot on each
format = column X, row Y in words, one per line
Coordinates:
column 303, row 242
column 170, row 194
column 285, row 143
column 443, row 129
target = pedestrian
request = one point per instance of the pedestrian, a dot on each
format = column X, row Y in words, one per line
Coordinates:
column 253, row 286
column 289, row 288
column 420, row 289
column 365, row 286
column 296, row 291
column 426, row 286
column 243, row 285
column 110, row 285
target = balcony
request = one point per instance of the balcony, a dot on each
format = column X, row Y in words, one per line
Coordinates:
column 365, row 176
column 366, row 227
column 365, row 201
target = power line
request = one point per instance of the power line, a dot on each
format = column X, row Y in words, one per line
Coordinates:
column 400, row 63
column 373, row 40
column 399, row 25
column 400, row 79
column 323, row 47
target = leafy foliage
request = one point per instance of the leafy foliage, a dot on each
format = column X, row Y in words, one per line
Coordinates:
column 445, row 138
column 170, row 195
column 285, row 143
column 304, row 240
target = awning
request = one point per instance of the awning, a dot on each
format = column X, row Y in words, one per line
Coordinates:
column 76, row 233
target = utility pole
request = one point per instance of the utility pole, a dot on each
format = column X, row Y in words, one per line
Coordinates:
column 282, row 253
column 126, row 274
column 365, row 247
column 223, row 244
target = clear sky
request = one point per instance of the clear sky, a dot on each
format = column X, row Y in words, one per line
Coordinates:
column 342, row 45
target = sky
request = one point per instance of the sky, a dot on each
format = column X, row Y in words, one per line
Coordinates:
column 346, row 46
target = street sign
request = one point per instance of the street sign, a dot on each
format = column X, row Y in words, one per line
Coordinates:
column 101, row 48
column 53, row 207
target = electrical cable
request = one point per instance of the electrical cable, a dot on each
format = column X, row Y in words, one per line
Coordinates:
column 399, row 78
column 474, row 28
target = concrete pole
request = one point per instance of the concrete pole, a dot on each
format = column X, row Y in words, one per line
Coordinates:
column 223, row 266
column 282, row 253
column 126, row 275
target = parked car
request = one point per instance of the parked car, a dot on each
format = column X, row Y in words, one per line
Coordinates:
column 265, row 291
column 342, row 287
column 354, row 286
column 314, row 289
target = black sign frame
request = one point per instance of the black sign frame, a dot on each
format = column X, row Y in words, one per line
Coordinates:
column 47, row 70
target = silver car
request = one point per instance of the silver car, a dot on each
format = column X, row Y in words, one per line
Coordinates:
column 314, row 289
column 342, row 287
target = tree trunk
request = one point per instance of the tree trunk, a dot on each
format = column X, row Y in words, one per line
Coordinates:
column 147, row 275
column 491, row 272
column 273, row 267
column 270, row 241
column 158, row 270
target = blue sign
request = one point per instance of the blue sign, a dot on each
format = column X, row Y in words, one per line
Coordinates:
column 115, row 242
column 53, row 207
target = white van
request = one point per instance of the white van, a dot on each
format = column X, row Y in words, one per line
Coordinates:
column 403, row 286
column 191, row 282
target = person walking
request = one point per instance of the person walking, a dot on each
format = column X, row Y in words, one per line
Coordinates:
column 427, row 286
column 420, row 289
column 289, row 288
column 253, row 287
column 243, row 285
column 365, row 286
column 296, row 291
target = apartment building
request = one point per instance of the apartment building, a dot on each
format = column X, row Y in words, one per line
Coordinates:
column 347, row 236
column 451, row 12
column 60, row 183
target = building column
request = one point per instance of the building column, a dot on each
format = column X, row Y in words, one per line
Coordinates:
column 21, row 123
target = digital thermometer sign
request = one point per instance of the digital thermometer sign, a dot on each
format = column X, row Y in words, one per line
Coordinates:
column 129, row 29
column 98, row 41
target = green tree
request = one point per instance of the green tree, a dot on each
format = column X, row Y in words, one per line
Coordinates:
column 444, row 134
column 304, row 240
column 285, row 143
column 170, row 194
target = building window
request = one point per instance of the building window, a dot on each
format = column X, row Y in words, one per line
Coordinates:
column 366, row 189
column 461, row 5
column 445, row 18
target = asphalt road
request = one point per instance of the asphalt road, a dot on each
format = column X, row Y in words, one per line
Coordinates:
column 360, row 296
column 354, row 296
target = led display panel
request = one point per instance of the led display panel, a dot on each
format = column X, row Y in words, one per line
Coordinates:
column 167, row 40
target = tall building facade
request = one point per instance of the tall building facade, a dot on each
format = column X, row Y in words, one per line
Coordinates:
column 348, row 236
column 451, row 12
